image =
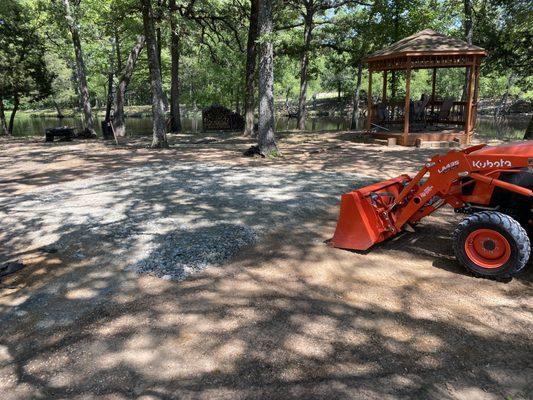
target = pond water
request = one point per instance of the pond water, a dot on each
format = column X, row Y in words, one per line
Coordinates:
column 511, row 127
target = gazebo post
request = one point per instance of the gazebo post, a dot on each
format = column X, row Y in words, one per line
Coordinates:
column 433, row 81
column 384, row 92
column 369, row 95
column 407, row 101
column 476, row 92
column 469, row 101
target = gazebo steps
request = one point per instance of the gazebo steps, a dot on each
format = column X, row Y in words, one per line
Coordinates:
column 386, row 142
column 413, row 138
column 437, row 144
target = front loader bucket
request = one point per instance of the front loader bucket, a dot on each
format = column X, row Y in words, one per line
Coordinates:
column 361, row 222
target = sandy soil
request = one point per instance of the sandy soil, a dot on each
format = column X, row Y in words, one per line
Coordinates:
column 287, row 318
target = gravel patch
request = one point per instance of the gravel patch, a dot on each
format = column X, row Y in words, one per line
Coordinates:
column 167, row 220
column 178, row 254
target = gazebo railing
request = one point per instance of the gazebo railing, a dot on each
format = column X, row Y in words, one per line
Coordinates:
column 392, row 113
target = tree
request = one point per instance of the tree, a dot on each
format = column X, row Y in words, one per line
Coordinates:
column 337, row 72
column 80, row 68
column 158, row 104
column 110, row 77
column 469, row 34
column 266, row 137
column 308, row 30
column 124, row 80
column 350, row 36
column 391, row 20
column 504, row 28
column 354, row 120
column 207, row 51
column 175, row 116
column 309, row 10
column 23, row 70
column 251, row 56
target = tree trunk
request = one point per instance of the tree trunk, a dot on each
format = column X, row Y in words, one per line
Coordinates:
column 175, row 115
column 528, row 135
column 16, row 103
column 354, row 123
column 118, row 120
column 469, row 25
column 469, row 34
column 80, row 69
column 156, row 17
column 158, row 105
column 396, row 32
column 308, row 30
column 110, row 76
column 3, row 123
column 109, row 101
column 237, row 101
column 287, row 102
column 117, row 48
column 158, row 33
column 58, row 110
column 266, row 139
column 251, row 57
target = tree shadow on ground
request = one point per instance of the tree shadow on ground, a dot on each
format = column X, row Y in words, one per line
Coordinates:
column 64, row 162
column 289, row 318
column 261, row 329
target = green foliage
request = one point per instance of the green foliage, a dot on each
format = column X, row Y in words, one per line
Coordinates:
column 23, row 71
column 213, row 45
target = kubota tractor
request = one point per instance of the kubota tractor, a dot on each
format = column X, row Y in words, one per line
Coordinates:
column 493, row 184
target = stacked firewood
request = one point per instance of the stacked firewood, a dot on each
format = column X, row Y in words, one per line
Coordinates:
column 219, row 118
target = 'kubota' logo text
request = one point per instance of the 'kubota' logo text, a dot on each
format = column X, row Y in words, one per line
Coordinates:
column 491, row 164
column 448, row 167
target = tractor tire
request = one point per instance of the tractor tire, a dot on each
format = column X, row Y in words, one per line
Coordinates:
column 491, row 245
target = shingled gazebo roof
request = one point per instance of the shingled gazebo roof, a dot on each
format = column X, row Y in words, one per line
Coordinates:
column 426, row 43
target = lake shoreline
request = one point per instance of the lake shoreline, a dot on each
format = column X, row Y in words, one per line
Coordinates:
column 322, row 107
column 139, row 122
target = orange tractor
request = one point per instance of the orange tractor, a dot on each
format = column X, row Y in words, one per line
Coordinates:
column 491, row 183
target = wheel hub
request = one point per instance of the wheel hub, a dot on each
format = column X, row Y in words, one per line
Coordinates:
column 487, row 248
column 489, row 245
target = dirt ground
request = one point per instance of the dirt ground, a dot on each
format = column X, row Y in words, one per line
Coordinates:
column 288, row 318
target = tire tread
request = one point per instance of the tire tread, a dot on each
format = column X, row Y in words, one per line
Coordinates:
column 504, row 222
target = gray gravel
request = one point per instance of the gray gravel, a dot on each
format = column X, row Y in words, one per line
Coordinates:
column 167, row 220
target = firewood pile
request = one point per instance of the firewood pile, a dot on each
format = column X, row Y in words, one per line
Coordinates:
column 219, row 118
column 64, row 132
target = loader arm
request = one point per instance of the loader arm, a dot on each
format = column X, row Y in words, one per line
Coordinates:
column 445, row 173
column 373, row 214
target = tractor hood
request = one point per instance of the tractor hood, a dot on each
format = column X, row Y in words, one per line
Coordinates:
column 524, row 148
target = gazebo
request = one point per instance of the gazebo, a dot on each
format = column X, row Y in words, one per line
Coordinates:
column 428, row 119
